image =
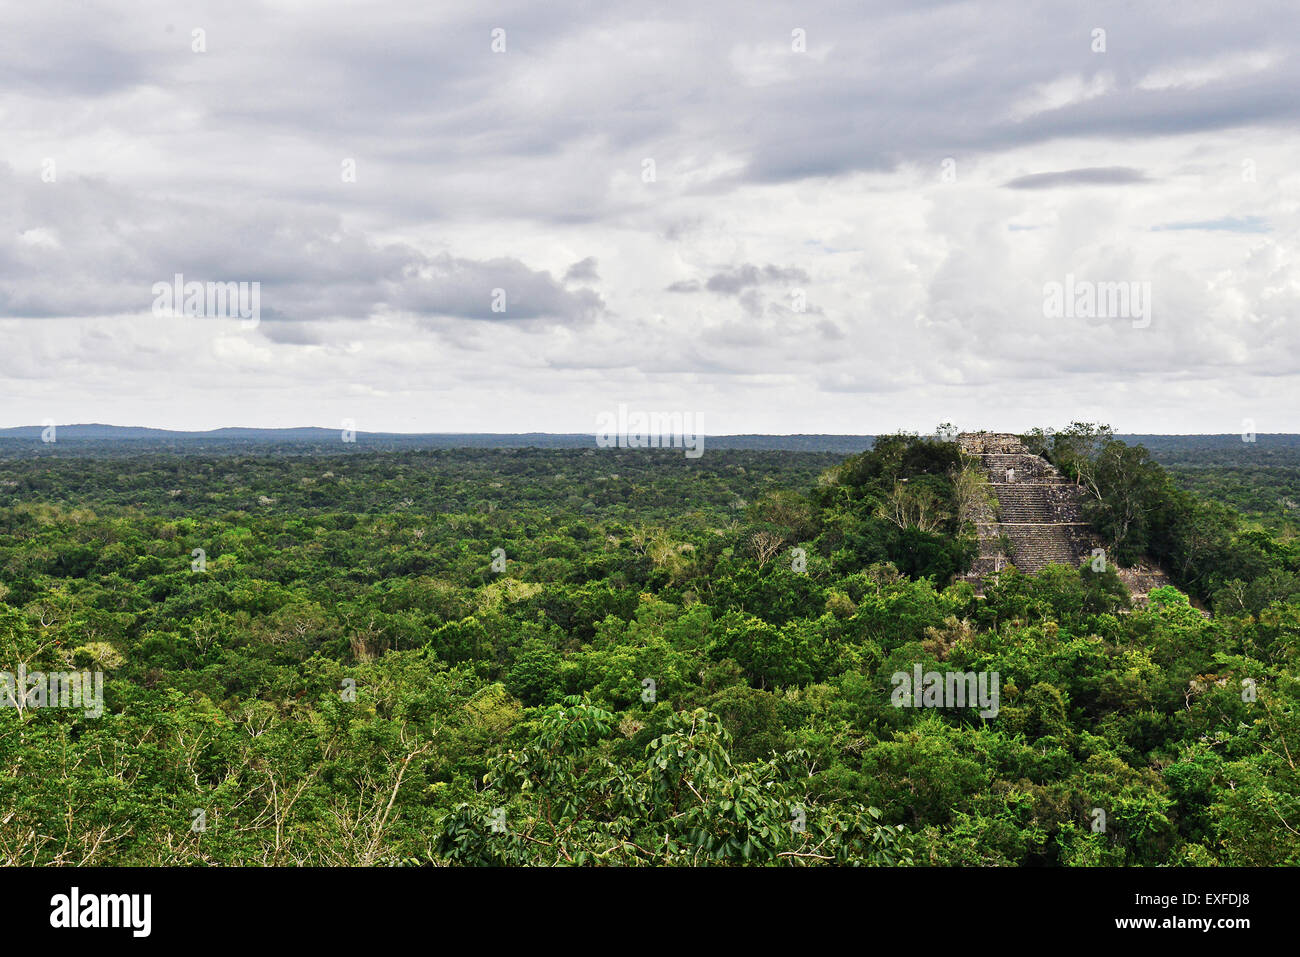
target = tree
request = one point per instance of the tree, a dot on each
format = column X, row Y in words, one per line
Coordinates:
column 914, row 506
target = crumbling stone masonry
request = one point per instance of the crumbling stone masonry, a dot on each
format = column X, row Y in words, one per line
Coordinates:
column 1039, row 516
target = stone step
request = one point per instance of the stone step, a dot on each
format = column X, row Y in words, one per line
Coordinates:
column 1038, row 502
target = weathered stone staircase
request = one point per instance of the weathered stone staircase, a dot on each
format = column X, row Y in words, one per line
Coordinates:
column 1039, row 515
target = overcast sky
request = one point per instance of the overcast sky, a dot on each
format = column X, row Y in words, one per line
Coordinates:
column 781, row 218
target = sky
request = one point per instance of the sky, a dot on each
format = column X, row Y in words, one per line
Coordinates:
column 775, row 217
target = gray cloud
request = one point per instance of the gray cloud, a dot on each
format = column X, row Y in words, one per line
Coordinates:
column 1092, row 176
column 82, row 248
column 582, row 271
column 1230, row 224
column 735, row 280
column 447, row 286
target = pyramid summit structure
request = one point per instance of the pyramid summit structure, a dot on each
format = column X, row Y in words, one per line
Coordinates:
column 1036, row 518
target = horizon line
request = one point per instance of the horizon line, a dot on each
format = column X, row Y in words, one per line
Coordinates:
column 593, row 433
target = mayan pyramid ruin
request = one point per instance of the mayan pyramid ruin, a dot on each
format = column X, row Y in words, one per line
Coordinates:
column 1038, row 517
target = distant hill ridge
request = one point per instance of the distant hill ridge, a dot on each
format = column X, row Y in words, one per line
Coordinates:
column 97, row 432
column 1183, row 444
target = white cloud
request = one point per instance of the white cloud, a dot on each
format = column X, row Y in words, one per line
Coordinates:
column 1062, row 92
column 773, row 169
column 1197, row 73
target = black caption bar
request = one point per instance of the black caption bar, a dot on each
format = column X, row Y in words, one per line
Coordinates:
column 141, row 907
